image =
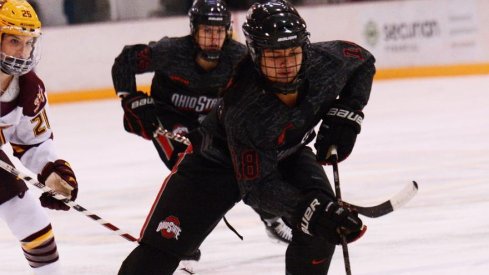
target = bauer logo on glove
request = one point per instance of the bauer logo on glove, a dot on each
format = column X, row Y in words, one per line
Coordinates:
column 139, row 114
column 351, row 115
column 141, row 102
column 340, row 128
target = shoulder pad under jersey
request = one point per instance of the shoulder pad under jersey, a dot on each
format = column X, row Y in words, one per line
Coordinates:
column 173, row 51
column 235, row 50
column 342, row 50
column 173, row 44
column 32, row 94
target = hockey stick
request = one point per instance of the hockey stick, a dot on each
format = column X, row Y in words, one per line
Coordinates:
column 401, row 198
column 397, row 201
column 12, row 170
column 346, row 255
column 161, row 131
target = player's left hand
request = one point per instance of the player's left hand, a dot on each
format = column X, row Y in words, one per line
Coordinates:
column 340, row 127
column 59, row 177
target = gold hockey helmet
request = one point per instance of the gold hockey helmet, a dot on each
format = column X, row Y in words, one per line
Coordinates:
column 18, row 18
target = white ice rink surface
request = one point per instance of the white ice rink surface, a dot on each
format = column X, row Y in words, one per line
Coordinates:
column 434, row 131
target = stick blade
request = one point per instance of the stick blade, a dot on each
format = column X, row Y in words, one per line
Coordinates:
column 379, row 210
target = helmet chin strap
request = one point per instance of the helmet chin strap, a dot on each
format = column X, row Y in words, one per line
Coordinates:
column 211, row 55
column 15, row 66
column 283, row 88
column 4, row 71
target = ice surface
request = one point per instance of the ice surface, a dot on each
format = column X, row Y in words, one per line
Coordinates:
column 434, row 131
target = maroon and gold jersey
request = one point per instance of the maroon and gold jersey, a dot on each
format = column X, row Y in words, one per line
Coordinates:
column 24, row 124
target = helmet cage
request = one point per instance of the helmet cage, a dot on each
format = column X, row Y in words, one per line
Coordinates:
column 275, row 25
column 210, row 13
column 19, row 66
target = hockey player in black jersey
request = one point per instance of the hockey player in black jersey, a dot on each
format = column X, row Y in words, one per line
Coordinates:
column 253, row 147
column 190, row 74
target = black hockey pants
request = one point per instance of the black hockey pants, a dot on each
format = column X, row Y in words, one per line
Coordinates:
column 195, row 197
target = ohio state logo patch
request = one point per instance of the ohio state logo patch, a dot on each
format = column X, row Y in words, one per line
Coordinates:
column 169, row 228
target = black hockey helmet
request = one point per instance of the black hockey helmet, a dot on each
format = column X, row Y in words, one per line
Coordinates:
column 209, row 12
column 274, row 25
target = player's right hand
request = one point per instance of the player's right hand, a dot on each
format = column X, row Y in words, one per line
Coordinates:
column 139, row 114
column 59, row 177
column 321, row 216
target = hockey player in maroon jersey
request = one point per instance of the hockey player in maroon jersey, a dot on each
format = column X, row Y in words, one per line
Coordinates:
column 190, row 74
column 253, row 147
column 24, row 124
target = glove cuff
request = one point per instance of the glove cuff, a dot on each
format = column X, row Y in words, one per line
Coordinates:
column 136, row 100
column 309, row 211
column 59, row 176
column 341, row 114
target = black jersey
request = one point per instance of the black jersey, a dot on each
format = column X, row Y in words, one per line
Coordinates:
column 182, row 90
column 261, row 131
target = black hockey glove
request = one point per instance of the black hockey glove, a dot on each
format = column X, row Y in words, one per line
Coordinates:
column 322, row 217
column 140, row 114
column 340, row 127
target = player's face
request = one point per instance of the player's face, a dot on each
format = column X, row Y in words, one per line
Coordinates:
column 281, row 65
column 211, row 38
column 18, row 46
